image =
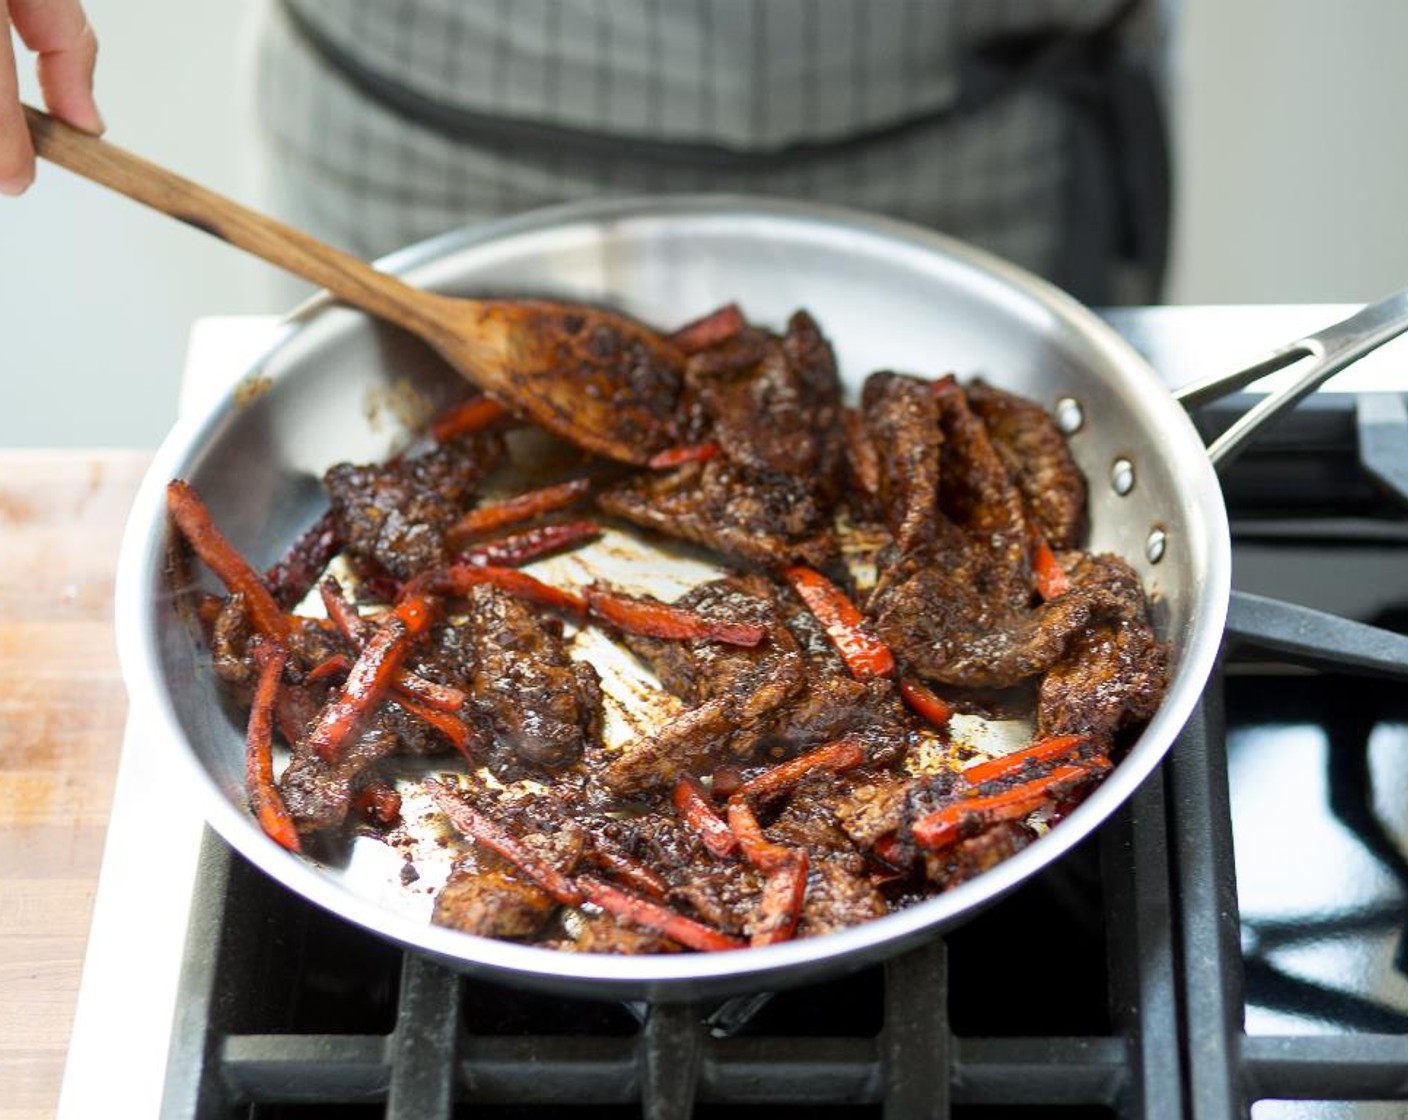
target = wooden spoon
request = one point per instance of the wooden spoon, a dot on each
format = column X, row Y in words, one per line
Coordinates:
column 598, row 379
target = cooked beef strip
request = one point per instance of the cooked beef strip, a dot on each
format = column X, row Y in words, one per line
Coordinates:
column 901, row 430
column 766, row 520
column 839, row 894
column 790, row 692
column 488, row 895
column 397, row 513
column 723, row 894
column 492, row 902
column 1037, row 459
column 968, row 858
column 938, row 625
column 735, row 690
column 773, row 405
column 873, row 807
column 1114, row 673
column 537, row 706
column 318, row 794
column 943, row 490
column 977, row 496
column 604, row 933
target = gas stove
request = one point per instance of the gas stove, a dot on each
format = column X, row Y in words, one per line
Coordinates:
column 1148, row 974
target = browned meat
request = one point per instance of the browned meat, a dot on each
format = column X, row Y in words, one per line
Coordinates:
column 396, row 513
column 873, row 807
column 318, row 794
column 978, row 498
column 839, row 895
column 962, row 861
column 736, row 691
column 901, row 416
column 1037, row 459
column 766, row 520
column 773, row 407
column 1115, row 673
column 537, row 706
column 940, row 627
column 788, row 693
column 602, row 933
column 492, row 902
column 722, row 894
column 772, row 404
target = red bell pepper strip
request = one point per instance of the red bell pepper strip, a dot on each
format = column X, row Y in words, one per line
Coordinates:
column 268, row 806
column 293, row 576
column 196, row 525
column 692, row 804
column 408, row 686
column 710, row 330
column 780, row 908
column 379, row 803
column 926, row 702
column 837, row 755
column 1010, row 765
column 971, row 815
column 457, row 580
column 864, row 654
column 451, row 726
column 759, row 850
column 343, row 612
column 1051, row 579
column 495, row 515
column 372, row 675
column 483, row 831
column 678, row 456
column 652, row 915
column 653, row 619
column 335, row 666
column 531, row 544
column 468, row 416
column 358, row 631
column 605, row 854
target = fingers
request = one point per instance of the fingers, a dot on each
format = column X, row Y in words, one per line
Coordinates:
column 58, row 32
column 16, row 151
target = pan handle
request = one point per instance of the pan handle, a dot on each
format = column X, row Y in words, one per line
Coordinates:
column 1331, row 350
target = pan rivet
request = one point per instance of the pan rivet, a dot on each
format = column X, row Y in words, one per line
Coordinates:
column 1122, row 476
column 1155, row 546
column 1070, row 417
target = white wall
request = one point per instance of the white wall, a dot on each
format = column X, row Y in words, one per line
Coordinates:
column 97, row 293
column 1293, row 179
column 1293, row 137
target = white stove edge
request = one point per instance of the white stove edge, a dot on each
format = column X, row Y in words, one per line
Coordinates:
column 127, row 1000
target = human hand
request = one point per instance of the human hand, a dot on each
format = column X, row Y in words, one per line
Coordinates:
column 58, row 33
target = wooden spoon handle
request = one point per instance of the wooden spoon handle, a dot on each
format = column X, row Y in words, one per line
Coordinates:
column 346, row 276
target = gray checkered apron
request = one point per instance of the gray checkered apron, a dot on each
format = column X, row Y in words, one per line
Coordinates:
column 1029, row 127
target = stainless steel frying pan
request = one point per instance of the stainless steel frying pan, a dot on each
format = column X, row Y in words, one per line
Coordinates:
column 337, row 386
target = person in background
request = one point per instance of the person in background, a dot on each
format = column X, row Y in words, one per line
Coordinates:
column 1032, row 129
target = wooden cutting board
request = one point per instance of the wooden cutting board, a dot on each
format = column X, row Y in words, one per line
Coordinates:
column 62, row 707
